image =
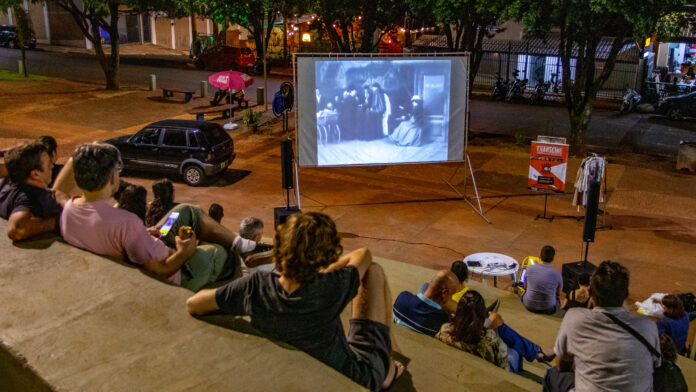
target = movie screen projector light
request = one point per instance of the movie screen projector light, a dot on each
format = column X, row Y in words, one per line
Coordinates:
column 381, row 110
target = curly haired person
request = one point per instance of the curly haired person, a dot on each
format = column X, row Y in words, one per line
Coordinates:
column 300, row 304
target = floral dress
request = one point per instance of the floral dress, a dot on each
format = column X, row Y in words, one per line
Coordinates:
column 491, row 347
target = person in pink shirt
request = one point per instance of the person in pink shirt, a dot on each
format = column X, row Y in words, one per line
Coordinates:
column 92, row 223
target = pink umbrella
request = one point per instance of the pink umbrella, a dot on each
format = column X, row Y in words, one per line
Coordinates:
column 231, row 80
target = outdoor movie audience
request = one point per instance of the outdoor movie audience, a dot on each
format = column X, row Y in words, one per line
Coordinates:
column 52, row 149
column 670, row 379
column 606, row 356
column 90, row 222
column 543, row 285
column 261, row 257
column 301, row 303
column 461, row 271
column 26, row 200
column 133, row 198
column 675, row 322
column 162, row 203
column 426, row 312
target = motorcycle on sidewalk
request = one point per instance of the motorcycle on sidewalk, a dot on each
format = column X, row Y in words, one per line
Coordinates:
column 539, row 94
column 516, row 90
column 630, row 101
column 500, row 88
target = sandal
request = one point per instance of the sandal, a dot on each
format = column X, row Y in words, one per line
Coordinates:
column 399, row 370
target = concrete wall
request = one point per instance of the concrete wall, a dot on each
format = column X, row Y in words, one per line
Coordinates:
column 201, row 27
column 5, row 17
column 38, row 22
column 164, row 32
column 64, row 31
column 513, row 31
column 182, row 34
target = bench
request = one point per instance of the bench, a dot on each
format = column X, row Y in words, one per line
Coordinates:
column 225, row 110
column 236, row 96
column 169, row 92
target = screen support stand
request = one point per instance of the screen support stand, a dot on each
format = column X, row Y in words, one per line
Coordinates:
column 467, row 199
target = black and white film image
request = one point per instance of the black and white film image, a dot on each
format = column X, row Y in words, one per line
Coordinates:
column 382, row 111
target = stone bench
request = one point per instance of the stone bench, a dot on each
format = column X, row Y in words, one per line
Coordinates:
column 72, row 320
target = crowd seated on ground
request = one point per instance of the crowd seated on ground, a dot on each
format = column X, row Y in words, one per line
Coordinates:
column 296, row 290
column 543, row 285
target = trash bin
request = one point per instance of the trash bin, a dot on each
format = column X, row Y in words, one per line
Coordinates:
column 686, row 159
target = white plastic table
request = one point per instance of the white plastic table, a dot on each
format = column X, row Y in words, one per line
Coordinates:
column 493, row 264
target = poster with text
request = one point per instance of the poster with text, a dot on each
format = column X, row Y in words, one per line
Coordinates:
column 547, row 167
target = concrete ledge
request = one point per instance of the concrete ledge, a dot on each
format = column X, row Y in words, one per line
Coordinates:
column 76, row 321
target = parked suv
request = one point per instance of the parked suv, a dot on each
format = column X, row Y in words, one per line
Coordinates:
column 193, row 149
column 225, row 57
column 8, row 37
column 679, row 106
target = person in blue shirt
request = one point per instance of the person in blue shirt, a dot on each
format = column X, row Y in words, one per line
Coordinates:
column 426, row 312
column 675, row 323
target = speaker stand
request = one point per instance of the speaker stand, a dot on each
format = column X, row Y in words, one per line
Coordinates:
column 548, row 218
column 467, row 199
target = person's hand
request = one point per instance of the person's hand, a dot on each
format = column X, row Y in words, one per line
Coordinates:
column 187, row 246
column 496, row 320
column 154, row 231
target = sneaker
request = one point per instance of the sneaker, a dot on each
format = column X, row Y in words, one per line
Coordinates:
column 494, row 306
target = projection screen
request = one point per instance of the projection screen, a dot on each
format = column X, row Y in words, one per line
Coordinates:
column 381, row 110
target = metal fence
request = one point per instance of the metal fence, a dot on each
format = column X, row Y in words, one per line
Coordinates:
column 549, row 69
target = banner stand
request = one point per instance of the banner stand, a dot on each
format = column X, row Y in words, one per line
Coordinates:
column 549, row 218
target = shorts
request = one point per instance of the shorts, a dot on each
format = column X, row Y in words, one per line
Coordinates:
column 371, row 343
column 189, row 215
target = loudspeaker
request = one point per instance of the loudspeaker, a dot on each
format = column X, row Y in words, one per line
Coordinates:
column 591, row 208
column 571, row 272
column 281, row 214
column 286, row 158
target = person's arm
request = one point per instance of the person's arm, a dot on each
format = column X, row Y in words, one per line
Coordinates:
column 177, row 258
column 202, row 302
column 65, row 186
column 359, row 258
column 24, row 224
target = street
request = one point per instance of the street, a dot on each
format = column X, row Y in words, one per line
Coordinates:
column 86, row 69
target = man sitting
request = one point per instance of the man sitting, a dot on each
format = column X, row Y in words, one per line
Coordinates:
column 461, row 271
column 91, row 222
column 261, row 257
column 543, row 285
column 607, row 356
column 427, row 311
column 30, row 207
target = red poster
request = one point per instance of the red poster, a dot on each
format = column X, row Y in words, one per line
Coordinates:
column 547, row 167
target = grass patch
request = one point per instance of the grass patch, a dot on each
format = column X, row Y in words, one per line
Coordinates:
column 13, row 76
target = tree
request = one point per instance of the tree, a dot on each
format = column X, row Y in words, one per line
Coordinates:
column 351, row 24
column 465, row 23
column 92, row 16
column 582, row 24
column 23, row 25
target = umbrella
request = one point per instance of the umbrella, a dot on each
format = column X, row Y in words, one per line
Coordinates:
column 230, row 80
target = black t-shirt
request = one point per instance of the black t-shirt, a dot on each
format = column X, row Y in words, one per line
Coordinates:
column 308, row 319
column 39, row 202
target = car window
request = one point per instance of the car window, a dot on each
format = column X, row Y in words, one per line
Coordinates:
column 216, row 135
column 193, row 141
column 147, row 136
column 174, row 137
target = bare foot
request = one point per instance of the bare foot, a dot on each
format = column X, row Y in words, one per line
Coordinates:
column 396, row 369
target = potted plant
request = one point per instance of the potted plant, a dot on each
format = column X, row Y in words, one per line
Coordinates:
column 251, row 120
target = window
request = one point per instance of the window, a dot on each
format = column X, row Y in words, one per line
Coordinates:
column 193, row 142
column 147, row 136
column 174, row 138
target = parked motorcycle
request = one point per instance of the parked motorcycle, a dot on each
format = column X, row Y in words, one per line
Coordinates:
column 500, row 88
column 630, row 100
column 537, row 97
column 516, row 90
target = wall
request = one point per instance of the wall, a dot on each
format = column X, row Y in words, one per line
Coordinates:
column 181, row 34
column 36, row 14
column 5, row 17
column 164, row 32
column 64, row 31
column 513, row 31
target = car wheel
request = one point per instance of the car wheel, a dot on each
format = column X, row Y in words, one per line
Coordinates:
column 675, row 114
column 194, row 175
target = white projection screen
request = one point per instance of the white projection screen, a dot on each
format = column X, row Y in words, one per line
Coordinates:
column 381, row 110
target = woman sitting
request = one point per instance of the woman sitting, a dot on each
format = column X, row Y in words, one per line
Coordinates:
column 675, row 324
column 409, row 132
column 580, row 297
column 471, row 331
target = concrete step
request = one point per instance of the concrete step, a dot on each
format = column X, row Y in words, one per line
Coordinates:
column 74, row 321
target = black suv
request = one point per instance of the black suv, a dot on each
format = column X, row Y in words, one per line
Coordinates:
column 193, row 149
column 8, row 37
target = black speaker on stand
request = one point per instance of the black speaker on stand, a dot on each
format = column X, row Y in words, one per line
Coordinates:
column 571, row 271
column 281, row 214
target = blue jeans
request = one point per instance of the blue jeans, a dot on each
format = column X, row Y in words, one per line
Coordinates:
column 518, row 347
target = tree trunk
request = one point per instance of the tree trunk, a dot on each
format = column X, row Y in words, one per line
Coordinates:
column 580, row 115
column 194, row 28
column 285, row 39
